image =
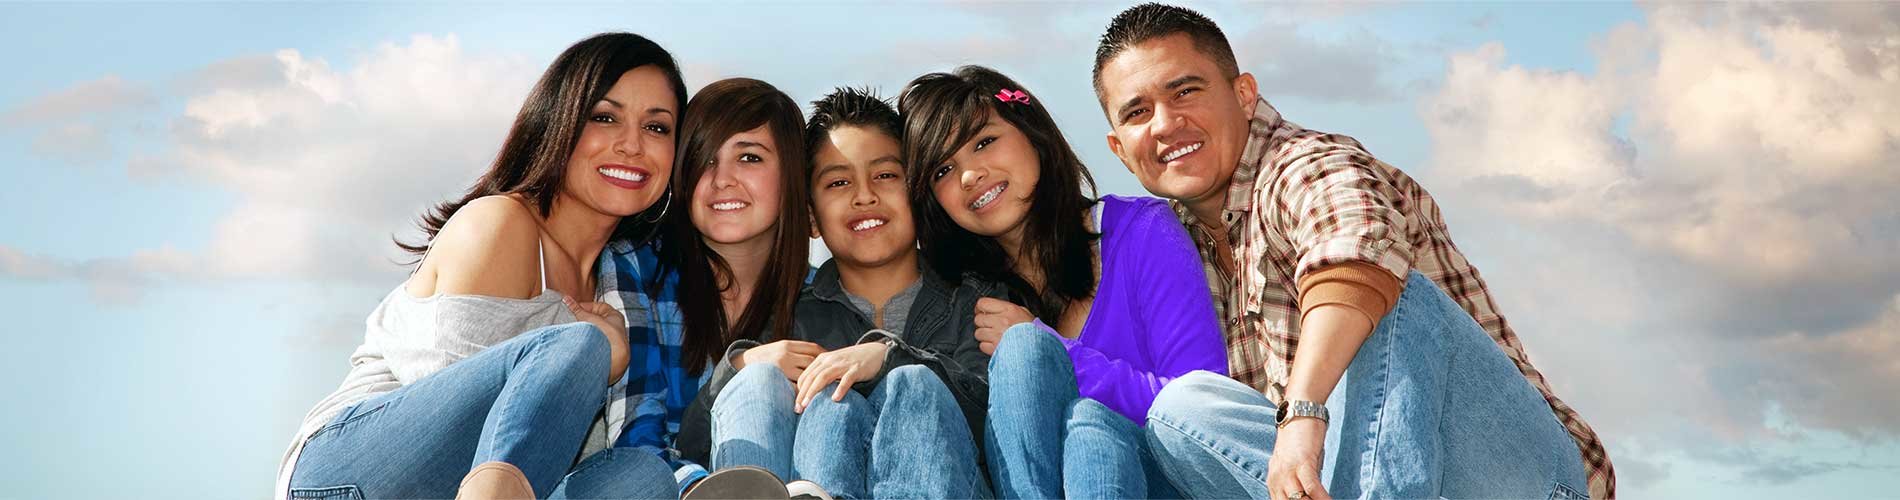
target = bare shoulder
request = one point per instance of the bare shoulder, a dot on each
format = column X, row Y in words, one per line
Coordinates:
column 489, row 247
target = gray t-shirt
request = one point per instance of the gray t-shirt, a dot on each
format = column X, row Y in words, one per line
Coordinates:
column 896, row 312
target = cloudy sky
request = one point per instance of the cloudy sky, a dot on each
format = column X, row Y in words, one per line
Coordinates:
column 1691, row 212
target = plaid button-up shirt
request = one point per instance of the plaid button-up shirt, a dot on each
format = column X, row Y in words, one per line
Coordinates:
column 1301, row 200
column 648, row 405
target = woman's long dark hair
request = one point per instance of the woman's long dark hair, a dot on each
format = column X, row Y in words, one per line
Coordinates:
column 721, row 110
column 942, row 112
column 533, row 159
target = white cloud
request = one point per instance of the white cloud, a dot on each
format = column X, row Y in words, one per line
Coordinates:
column 1718, row 201
column 328, row 163
column 76, row 124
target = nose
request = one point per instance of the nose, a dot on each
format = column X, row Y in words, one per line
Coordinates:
column 862, row 195
column 628, row 144
column 972, row 176
column 721, row 174
column 1166, row 122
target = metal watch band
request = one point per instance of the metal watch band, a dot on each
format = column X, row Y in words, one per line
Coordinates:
column 1291, row 409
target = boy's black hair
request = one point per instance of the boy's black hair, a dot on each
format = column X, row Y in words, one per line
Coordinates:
column 848, row 106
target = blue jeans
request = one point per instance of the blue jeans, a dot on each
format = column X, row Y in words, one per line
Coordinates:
column 1430, row 407
column 907, row 440
column 1045, row 440
column 527, row 401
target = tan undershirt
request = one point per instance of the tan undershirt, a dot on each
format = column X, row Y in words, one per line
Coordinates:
column 1362, row 287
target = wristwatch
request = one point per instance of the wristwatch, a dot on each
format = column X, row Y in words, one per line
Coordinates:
column 1293, row 409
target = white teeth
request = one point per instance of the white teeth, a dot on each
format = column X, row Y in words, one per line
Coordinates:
column 730, row 205
column 988, row 197
column 868, row 224
column 623, row 174
column 1181, row 152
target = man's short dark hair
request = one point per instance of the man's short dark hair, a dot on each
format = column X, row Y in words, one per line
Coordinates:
column 1149, row 21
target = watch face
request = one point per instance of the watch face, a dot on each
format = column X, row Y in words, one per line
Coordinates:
column 1279, row 417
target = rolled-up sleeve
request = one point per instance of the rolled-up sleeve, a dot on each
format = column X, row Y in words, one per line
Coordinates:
column 1335, row 206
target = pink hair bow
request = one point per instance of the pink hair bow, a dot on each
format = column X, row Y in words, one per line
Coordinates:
column 1007, row 95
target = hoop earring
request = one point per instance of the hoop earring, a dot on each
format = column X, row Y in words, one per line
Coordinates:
column 663, row 209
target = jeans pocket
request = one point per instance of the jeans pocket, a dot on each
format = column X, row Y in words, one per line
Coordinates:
column 342, row 492
column 1561, row 491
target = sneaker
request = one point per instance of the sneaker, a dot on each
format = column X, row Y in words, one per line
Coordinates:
column 744, row 482
column 806, row 490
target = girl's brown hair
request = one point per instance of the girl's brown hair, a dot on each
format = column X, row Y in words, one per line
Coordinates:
column 721, row 110
column 942, row 112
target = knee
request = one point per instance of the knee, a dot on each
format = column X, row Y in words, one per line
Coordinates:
column 573, row 344
column 823, row 408
column 914, row 379
column 1426, row 318
column 1025, row 347
column 759, row 383
column 1190, row 398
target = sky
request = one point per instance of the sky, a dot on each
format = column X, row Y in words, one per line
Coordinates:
column 1690, row 212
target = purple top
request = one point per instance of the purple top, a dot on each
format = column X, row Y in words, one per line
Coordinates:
column 1153, row 317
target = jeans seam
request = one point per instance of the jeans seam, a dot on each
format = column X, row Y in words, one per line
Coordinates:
column 1371, row 460
column 1206, row 444
column 349, row 416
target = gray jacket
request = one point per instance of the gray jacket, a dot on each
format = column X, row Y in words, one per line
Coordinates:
column 940, row 334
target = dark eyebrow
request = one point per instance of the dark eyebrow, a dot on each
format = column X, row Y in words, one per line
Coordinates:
column 1185, row 80
column 1171, row 85
column 750, row 144
column 887, row 159
column 1121, row 113
column 828, row 168
column 657, row 110
column 613, row 102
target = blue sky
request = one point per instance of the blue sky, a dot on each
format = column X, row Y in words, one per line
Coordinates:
column 1688, row 210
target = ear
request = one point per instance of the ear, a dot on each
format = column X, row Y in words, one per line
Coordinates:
column 813, row 217
column 1115, row 145
column 1247, row 91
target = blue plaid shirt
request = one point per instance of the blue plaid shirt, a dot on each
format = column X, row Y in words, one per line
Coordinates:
column 657, row 386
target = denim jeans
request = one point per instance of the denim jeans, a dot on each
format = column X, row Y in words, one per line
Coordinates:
column 1430, row 408
column 907, row 440
column 528, row 401
column 1047, row 441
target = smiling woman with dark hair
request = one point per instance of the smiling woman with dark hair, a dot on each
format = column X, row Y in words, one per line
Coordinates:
column 496, row 351
column 1108, row 303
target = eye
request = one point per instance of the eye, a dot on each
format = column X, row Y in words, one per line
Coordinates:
column 887, row 175
column 985, row 142
column 1133, row 114
column 942, row 171
column 659, row 128
column 837, row 184
column 603, row 118
column 749, row 158
column 1187, row 91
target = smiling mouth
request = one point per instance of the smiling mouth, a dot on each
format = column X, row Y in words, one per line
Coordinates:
column 989, row 196
column 728, row 206
column 623, row 174
column 868, row 224
column 1180, row 152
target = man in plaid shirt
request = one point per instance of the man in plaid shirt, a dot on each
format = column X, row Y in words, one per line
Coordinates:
column 1324, row 262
